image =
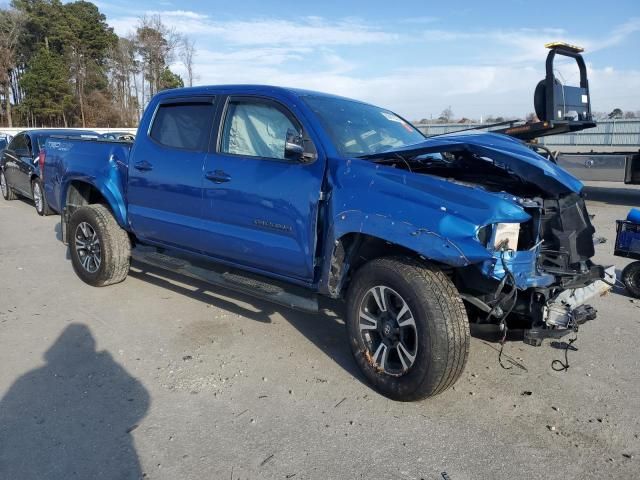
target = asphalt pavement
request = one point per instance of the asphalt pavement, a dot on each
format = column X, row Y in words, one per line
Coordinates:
column 163, row 377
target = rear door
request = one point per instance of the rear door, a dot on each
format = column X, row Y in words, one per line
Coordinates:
column 165, row 173
column 260, row 209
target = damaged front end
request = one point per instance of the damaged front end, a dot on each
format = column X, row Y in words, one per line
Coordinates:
column 550, row 267
column 538, row 274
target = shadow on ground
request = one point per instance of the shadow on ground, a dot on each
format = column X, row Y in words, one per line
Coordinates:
column 73, row 417
column 326, row 329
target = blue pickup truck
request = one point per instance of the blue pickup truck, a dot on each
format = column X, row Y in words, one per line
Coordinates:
column 290, row 195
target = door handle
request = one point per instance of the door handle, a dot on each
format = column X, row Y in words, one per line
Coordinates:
column 143, row 166
column 218, row 176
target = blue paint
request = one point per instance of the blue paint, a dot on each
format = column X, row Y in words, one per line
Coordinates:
column 269, row 216
column 523, row 266
column 634, row 215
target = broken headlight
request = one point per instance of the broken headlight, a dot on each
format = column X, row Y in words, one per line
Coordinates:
column 506, row 236
column 484, row 234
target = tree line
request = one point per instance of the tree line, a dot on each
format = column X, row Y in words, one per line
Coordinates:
column 61, row 64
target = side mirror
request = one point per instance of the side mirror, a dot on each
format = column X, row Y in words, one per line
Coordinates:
column 293, row 145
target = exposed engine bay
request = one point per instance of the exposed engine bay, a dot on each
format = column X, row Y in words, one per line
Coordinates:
column 541, row 273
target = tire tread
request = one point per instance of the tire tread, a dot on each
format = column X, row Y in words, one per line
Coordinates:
column 116, row 240
column 631, row 278
column 450, row 336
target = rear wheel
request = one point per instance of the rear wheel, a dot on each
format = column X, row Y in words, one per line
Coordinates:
column 7, row 193
column 100, row 248
column 631, row 278
column 39, row 200
column 408, row 328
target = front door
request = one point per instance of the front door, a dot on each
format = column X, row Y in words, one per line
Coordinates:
column 260, row 208
column 165, row 173
column 18, row 161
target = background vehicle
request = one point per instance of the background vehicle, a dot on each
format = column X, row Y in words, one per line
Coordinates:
column 19, row 168
column 118, row 136
column 287, row 194
column 563, row 109
column 4, row 141
column 628, row 245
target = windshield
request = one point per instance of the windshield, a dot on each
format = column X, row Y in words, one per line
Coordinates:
column 360, row 129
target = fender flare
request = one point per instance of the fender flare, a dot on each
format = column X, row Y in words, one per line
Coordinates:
column 107, row 190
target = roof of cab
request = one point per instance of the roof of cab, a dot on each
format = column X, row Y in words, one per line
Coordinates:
column 249, row 88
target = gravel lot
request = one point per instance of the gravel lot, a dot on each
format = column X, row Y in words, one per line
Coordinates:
column 165, row 378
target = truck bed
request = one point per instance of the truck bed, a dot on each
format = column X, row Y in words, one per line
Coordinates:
column 89, row 158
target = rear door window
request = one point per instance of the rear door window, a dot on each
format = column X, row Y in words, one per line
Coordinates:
column 184, row 125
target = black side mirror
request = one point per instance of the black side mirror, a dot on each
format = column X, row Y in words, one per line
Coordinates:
column 293, row 145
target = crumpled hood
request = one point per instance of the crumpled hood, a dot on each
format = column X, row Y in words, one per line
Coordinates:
column 505, row 152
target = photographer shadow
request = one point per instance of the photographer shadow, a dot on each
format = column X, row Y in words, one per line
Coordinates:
column 72, row 417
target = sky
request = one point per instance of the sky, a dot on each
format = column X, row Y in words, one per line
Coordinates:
column 414, row 57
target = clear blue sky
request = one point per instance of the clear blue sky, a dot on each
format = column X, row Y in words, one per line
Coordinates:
column 416, row 57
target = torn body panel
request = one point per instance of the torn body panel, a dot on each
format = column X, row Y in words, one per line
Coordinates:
column 447, row 200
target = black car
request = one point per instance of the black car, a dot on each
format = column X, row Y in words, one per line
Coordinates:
column 19, row 168
column 4, row 141
column 121, row 136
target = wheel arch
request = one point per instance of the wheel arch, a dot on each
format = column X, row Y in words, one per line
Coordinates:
column 81, row 192
column 353, row 250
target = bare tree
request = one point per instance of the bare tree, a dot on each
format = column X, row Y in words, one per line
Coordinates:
column 187, row 52
column 157, row 45
column 123, row 72
column 447, row 115
column 11, row 25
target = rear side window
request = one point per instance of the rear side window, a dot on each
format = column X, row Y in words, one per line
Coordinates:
column 183, row 125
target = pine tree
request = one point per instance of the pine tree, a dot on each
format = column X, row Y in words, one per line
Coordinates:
column 48, row 94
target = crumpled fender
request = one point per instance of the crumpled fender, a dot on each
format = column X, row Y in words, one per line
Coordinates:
column 432, row 216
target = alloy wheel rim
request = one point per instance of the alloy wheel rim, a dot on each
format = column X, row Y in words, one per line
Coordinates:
column 37, row 196
column 88, row 247
column 3, row 184
column 388, row 330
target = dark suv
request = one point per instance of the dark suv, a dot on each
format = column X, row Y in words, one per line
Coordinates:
column 19, row 169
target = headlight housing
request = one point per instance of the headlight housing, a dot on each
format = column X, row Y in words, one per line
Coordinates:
column 506, row 236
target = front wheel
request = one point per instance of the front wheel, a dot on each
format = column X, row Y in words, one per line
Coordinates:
column 100, row 248
column 407, row 327
column 39, row 200
column 631, row 278
column 7, row 193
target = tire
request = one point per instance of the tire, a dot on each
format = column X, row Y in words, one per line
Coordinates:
column 437, row 339
column 631, row 278
column 106, row 262
column 39, row 199
column 7, row 192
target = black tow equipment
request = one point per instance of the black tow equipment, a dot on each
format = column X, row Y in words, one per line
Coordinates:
column 560, row 108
